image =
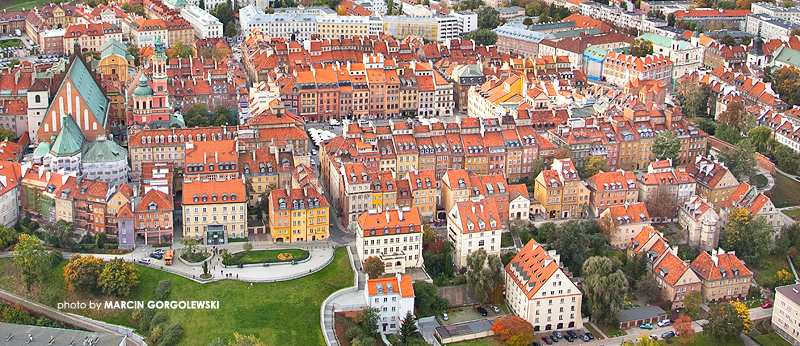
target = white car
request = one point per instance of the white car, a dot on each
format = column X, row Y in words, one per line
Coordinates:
column 334, row 122
column 445, row 316
column 313, row 162
column 664, row 323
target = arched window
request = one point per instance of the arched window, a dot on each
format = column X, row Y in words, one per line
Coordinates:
column 37, row 98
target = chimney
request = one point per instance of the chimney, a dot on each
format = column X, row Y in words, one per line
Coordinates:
column 400, row 214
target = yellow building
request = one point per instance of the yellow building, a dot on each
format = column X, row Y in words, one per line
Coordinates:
column 407, row 154
column 403, row 26
column 115, row 60
column 423, row 190
column 215, row 210
column 299, row 214
column 715, row 183
column 561, row 192
column 335, row 27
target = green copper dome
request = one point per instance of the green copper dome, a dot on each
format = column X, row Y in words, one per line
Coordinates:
column 143, row 89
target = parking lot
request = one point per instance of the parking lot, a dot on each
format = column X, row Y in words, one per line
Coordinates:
column 470, row 313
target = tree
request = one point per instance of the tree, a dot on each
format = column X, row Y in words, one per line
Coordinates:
column 118, row 278
column 7, row 134
column 691, row 304
column 683, row 327
column 695, row 104
column 563, row 152
column 426, row 301
column 724, row 322
column 82, row 273
column 342, row 11
column 759, row 137
column 428, row 235
column 751, row 239
column 190, row 244
column 484, row 272
column 569, row 240
column 230, row 29
column 609, row 224
column 728, row 40
column 197, row 116
column 537, row 166
column 741, row 161
column 222, row 116
column 795, row 32
column 648, row 288
column 407, row 329
column 242, row 340
column 744, row 316
column 8, row 236
column 527, row 22
column 784, row 278
column 533, row 9
column 374, row 267
column 671, row 19
column 786, row 81
column 727, row 133
column 666, row 146
column 484, row 37
column 133, row 51
column 641, row 48
column 247, row 247
column 180, row 50
column 788, row 160
column 30, row 258
column 605, row 288
column 733, row 114
column 787, row 3
column 746, row 40
column 641, row 340
column 514, row 330
column 488, row 18
column 595, row 164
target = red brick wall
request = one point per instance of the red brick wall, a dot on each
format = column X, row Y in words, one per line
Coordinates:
column 763, row 162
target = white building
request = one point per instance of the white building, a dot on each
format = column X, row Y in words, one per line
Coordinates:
column 393, row 298
column 467, row 21
column 686, row 56
column 542, row 294
column 10, row 201
column 769, row 27
column 785, row 320
column 774, row 10
column 473, row 225
column 520, row 203
column 613, row 14
column 394, row 236
column 698, row 217
column 205, row 25
column 378, row 6
column 291, row 26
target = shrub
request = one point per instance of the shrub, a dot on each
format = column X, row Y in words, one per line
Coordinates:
column 171, row 334
column 162, row 290
column 144, row 319
column 55, row 258
column 238, row 240
column 100, row 240
column 162, row 245
column 158, row 319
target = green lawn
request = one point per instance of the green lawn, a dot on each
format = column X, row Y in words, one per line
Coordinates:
column 759, row 180
column 772, row 266
column 14, row 5
column 786, row 192
column 281, row 313
column 506, row 240
column 771, row 339
column 489, row 341
column 14, row 42
column 792, row 213
column 267, row 256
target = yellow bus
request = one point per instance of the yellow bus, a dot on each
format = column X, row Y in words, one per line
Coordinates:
column 168, row 257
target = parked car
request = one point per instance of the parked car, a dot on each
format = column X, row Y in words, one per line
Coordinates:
column 558, row 334
column 313, row 162
column 495, row 309
column 334, row 122
column 535, row 343
column 569, row 338
column 445, row 316
column 144, row 260
column 590, row 335
column 157, row 255
column 554, row 338
column 584, row 337
column 572, row 334
column 766, row 305
column 667, row 335
column 664, row 323
column 482, row 311
column 646, row 326
column 313, row 152
column 547, row 340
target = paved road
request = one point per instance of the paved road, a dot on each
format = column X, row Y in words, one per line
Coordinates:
column 73, row 320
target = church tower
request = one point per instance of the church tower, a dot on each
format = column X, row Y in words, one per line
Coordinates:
column 159, row 63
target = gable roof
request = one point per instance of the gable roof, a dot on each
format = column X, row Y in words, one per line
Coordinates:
column 531, row 268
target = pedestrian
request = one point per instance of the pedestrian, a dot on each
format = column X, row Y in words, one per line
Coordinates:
column 237, row 276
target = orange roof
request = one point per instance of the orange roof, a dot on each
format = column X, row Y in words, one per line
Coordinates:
column 719, row 265
column 518, row 190
column 478, row 214
column 125, row 211
column 531, row 267
column 209, row 188
column 425, row 179
column 639, row 241
column 619, row 180
column 671, row 268
column 161, row 200
column 390, row 222
column 630, row 213
column 404, row 285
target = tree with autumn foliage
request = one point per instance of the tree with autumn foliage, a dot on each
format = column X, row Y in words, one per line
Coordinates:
column 514, row 330
column 82, row 272
column 750, row 238
column 733, row 114
column 786, row 82
column 744, row 316
column 683, row 327
column 609, row 224
column 641, row 340
column 661, row 203
column 374, row 267
column 563, row 152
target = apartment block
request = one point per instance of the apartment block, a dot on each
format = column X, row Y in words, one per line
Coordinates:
column 392, row 235
column 473, row 225
column 298, row 214
column 215, row 210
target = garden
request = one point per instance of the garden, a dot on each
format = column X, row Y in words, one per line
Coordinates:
column 281, row 313
column 264, row 256
column 786, row 191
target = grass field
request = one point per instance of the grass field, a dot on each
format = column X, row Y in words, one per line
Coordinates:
column 14, row 5
column 506, row 239
column 772, row 266
column 771, row 339
column 282, row 313
column 267, row 256
column 786, row 192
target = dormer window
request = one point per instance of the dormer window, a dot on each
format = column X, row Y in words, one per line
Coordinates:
column 214, row 197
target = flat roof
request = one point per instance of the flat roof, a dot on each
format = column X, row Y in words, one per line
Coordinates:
column 640, row 313
column 466, row 328
column 791, row 292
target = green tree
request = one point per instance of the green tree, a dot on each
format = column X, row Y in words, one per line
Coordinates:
column 724, row 322
column 8, row 236
column 190, row 244
column 426, row 301
column 428, row 235
column 666, row 146
column 605, row 288
column 695, row 104
column 488, row 18
column 786, row 82
column 725, row 4
column 648, row 288
column 569, row 239
column 787, row 3
column 230, row 29
column 407, row 330
column 374, row 267
column 595, row 164
column 727, row 133
column 788, row 160
column 118, row 278
column 484, row 37
column 746, row 40
column 247, row 247
column 750, row 238
column 528, row 21
column 7, row 134
column 533, row 9
column 741, row 161
column 641, row 48
column 100, row 240
column 484, row 272
column 544, row 231
column 134, row 52
column 197, row 115
column 537, row 166
column 759, row 137
column 180, row 50
column 222, row 116
column 245, row 340
column 728, row 40
column 671, row 19
column 82, row 273
column 30, row 258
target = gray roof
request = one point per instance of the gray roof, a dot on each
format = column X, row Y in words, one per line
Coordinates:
column 791, row 292
column 103, row 150
column 639, row 313
column 519, row 31
column 468, row 71
column 113, row 47
column 41, row 336
column 787, row 56
column 466, row 328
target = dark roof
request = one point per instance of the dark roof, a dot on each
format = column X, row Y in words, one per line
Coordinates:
column 41, row 336
column 640, row 313
column 791, row 292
